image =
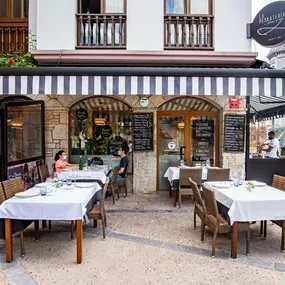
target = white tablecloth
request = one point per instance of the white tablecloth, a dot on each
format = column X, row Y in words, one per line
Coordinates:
column 172, row 173
column 261, row 204
column 60, row 205
column 98, row 173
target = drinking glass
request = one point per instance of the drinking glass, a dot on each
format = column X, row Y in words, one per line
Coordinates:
column 75, row 175
column 43, row 191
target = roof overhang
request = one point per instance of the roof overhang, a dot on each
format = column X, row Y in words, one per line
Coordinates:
column 111, row 57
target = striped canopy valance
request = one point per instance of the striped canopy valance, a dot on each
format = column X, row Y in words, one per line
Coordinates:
column 141, row 85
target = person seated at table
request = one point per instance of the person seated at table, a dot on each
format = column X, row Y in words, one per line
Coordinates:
column 271, row 146
column 124, row 162
column 60, row 162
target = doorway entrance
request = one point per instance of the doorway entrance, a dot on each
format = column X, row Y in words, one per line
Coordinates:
column 188, row 130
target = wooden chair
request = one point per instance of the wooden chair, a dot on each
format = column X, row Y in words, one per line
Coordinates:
column 43, row 172
column 98, row 211
column 216, row 222
column 218, row 174
column 279, row 183
column 7, row 191
column 184, row 185
column 199, row 207
column 124, row 182
column 114, row 184
column 53, row 168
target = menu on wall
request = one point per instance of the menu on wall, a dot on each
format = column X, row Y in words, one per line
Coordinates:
column 143, row 131
column 234, row 133
column 203, row 139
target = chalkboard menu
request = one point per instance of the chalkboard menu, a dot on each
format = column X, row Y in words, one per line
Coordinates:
column 143, row 131
column 203, row 139
column 234, row 133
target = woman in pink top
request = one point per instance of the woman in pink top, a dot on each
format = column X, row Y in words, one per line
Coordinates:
column 60, row 161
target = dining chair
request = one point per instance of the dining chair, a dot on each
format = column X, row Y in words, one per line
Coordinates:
column 218, row 174
column 124, row 182
column 53, row 168
column 98, row 211
column 43, row 172
column 114, row 184
column 217, row 223
column 199, row 206
column 184, row 185
column 7, row 190
column 279, row 183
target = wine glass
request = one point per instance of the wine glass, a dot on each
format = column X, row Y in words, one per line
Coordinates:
column 75, row 175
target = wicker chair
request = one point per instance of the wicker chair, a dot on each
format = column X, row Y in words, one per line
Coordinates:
column 218, row 174
column 199, row 208
column 114, row 184
column 216, row 222
column 184, row 184
column 43, row 172
column 7, row 191
column 98, row 211
column 124, row 182
column 279, row 183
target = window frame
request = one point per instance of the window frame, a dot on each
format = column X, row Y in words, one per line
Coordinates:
column 9, row 14
column 187, row 8
column 103, row 8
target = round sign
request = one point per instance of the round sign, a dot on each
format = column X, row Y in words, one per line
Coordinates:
column 144, row 102
column 268, row 27
column 171, row 145
column 81, row 114
column 106, row 131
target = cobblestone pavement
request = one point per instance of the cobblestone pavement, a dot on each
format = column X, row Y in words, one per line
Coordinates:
column 149, row 242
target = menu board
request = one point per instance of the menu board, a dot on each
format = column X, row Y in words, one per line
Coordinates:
column 203, row 139
column 143, row 131
column 234, row 133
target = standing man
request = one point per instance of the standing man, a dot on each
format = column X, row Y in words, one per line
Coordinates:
column 271, row 146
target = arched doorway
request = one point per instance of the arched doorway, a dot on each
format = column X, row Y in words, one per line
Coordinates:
column 98, row 126
column 188, row 129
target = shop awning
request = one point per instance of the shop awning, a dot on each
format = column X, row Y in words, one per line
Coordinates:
column 141, row 81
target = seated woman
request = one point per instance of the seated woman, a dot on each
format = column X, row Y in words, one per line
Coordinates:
column 60, row 162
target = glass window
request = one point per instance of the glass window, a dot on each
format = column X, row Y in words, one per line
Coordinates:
column 20, row 8
column 175, row 7
column 3, row 9
column 24, row 132
column 114, row 6
column 199, row 7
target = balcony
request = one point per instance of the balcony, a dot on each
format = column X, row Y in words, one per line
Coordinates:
column 101, row 31
column 14, row 37
column 188, row 32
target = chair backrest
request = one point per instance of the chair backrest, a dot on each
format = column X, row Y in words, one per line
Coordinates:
column 115, row 175
column 53, row 167
column 218, row 174
column 43, row 172
column 126, row 171
column 175, row 163
column 13, row 186
column 278, row 182
column 194, row 173
column 2, row 194
column 105, row 188
column 210, row 201
column 197, row 194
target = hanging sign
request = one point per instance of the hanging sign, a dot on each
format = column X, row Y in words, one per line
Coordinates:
column 81, row 114
column 234, row 103
column 106, row 131
column 144, row 102
column 268, row 27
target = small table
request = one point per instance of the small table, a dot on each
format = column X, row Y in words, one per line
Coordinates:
column 261, row 204
column 62, row 205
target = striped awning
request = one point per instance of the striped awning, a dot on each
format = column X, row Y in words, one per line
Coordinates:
column 141, row 85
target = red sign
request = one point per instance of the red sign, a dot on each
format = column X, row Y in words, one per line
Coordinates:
column 234, row 103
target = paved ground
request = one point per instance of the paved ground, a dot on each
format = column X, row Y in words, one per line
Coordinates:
column 149, row 242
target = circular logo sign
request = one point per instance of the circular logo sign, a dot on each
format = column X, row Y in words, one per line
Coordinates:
column 81, row 114
column 171, row 145
column 268, row 27
column 106, row 131
column 144, row 102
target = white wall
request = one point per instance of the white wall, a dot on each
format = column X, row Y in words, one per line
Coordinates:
column 231, row 17
column 145, row 25
column 56, row 24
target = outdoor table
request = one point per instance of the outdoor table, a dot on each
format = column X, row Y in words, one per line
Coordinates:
column 261, row 204
column 98, row 174
column 172, row 174
column 59, row 205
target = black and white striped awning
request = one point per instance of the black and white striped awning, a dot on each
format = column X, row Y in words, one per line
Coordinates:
column 219, row 82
